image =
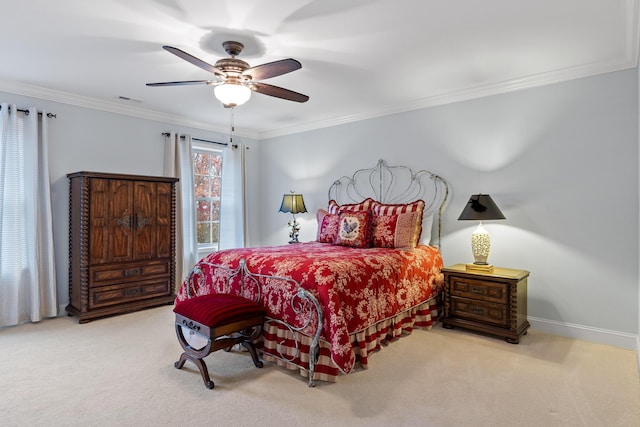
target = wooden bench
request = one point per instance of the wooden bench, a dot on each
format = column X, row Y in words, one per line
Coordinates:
column 224, row 320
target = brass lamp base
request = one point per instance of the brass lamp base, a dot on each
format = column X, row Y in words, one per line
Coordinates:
column 484, row 268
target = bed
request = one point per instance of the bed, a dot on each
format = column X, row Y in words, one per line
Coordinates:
column 332, row 302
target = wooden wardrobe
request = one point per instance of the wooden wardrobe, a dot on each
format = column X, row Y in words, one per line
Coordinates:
column 122, row 249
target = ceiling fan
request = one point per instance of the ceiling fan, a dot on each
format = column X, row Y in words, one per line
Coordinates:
column 235, row 79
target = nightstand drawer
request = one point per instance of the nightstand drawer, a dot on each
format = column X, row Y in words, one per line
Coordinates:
column 480, row 290
column 481, row 311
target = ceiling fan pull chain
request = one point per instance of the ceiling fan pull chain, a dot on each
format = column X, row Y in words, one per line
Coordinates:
column 232, row 116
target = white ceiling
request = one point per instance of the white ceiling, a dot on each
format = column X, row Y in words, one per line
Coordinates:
column 360, row 58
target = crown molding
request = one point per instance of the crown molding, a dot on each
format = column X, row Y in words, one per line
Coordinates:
column 631, row 14
column 113, row 107
column 529, row 82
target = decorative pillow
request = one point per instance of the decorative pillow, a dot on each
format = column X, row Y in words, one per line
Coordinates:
column 352, row 229
column 335, row 208
column 327, row 226
column 394, row 209
column 383, row 209
column 396, row 231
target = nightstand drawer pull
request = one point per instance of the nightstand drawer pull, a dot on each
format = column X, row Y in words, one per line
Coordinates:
column 480, row 290
column 477, row 310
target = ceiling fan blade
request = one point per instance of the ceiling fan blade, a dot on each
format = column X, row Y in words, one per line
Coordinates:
column 278, row 92
column 195, row 61
column 183, row 83
column 272, row 69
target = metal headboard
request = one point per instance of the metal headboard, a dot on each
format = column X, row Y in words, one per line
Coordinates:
column 393, row 184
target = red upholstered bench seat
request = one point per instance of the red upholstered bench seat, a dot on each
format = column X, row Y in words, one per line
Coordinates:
column 225, row 320
column 218, row 309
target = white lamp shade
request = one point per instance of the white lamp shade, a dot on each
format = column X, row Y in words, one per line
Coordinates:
column 232, row 95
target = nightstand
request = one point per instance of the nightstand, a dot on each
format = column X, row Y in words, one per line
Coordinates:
column 494, row 303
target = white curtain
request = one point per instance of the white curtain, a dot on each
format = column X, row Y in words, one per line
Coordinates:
column 233, row 224
column 178, row 162
column 27, row 264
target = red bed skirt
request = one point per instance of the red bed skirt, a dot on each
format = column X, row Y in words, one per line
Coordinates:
column 279, row 345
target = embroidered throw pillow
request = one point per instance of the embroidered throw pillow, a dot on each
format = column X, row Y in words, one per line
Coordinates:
column 396, row 231
column 352, row 229
column 327, row 226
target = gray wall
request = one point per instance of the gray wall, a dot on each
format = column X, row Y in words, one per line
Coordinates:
column 561, row 161
column 83, row 139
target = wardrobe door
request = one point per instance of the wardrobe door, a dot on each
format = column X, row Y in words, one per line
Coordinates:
column 121, row 221
column 99, row 195
column 145, row 208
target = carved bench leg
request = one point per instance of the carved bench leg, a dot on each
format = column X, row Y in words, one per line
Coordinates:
column 254, row 354
column 180, row 363
column 202, row 367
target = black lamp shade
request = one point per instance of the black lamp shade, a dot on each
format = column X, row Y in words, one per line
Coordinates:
column 293, row 203
column 481, row 207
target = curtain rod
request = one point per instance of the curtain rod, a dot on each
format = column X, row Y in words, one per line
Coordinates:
column 206, row 140
column 198, row 139
column 22, row 110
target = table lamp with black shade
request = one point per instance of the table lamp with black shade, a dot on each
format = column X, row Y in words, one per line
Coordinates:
column 480, row 207
column 294, row 204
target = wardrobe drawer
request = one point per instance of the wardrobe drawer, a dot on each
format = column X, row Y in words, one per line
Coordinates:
column 480, row 311
column 110, row 274
column 476, row 289
column 116, row 294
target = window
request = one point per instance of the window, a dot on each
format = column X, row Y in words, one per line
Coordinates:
column 207, row 169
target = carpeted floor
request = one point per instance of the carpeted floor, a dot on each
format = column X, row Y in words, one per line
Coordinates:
column 119, row 372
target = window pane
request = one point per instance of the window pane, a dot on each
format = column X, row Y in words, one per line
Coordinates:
column 204, row 210
column 216, row 165
column 202, row 186
column 200, row 163
column 215, row 232
column 204, row 232
column 216, row 185
column 215, row 210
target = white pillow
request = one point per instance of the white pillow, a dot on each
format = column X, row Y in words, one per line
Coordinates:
column 427, row 226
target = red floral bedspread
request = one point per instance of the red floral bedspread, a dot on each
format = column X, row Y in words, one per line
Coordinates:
column 356, row 288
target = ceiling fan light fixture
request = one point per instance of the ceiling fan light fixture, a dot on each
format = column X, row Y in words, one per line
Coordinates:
column 232, row 94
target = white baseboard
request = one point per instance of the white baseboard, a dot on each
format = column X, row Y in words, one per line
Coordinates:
column 638, row 352
column 588, row 333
